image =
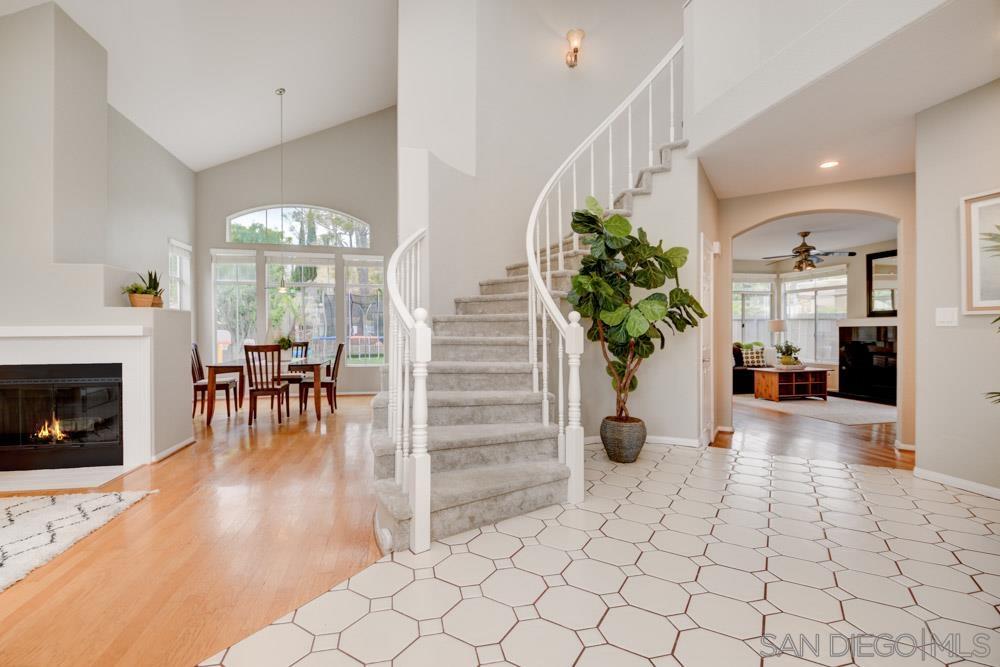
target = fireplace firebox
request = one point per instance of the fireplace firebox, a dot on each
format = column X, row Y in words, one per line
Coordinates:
column 60, row 416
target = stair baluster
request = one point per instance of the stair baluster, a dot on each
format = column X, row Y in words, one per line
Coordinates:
column 410, row 354
column 541, row 304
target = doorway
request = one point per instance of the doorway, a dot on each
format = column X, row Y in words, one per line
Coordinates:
column 803, row 329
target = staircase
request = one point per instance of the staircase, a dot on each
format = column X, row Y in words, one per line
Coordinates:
column 469, row 432
column 491, row 455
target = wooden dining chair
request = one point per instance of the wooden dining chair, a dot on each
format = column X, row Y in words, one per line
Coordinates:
column 200, row 384
column 263, row 364
column 329, row 383
column 294, row 376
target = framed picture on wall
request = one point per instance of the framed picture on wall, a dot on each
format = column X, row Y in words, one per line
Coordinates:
column 981, row 253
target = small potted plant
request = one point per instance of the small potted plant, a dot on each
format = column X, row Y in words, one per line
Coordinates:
column 787, row 351
column 626, row 325
column 145, row 294
column 284, row 342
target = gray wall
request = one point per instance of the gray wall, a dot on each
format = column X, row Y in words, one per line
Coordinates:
column 958, row 154
column 151, row 199
column 530, row 112
column 350, row 168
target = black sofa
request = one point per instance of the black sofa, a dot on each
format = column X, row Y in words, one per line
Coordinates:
column 742, row 376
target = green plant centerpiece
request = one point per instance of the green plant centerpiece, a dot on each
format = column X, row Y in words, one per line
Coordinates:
column 284, row 342
column 147, row 293
column 627, row 327
column 787, row 352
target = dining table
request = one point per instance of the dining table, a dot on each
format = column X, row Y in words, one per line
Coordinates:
column 314, row 363
column 223, row 368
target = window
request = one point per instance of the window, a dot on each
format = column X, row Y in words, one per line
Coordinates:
column 365, row 298
column 752, row 296
column 302, row 300
column 299, row 226
column 813, row 302
column 178, row 275
column 234, row 287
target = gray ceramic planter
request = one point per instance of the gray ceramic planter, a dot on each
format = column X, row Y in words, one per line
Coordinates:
column 623, row 438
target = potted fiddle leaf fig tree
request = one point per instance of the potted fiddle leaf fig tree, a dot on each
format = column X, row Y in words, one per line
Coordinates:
column 627, row 326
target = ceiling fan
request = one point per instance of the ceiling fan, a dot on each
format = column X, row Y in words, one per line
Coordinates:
column 806, row 256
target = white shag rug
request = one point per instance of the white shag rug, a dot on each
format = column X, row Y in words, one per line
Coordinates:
column 834, row 409
column 36, row 529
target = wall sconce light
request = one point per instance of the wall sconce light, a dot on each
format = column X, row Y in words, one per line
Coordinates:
column 575, row 38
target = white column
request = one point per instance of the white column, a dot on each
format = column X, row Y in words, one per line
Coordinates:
column 574, row 429
column 420, row 478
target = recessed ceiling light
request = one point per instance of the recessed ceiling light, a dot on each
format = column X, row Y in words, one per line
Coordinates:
column 829, row 164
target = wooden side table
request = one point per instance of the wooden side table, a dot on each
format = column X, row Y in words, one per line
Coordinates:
column 775, row 384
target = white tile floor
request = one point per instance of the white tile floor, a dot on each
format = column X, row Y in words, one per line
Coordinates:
column 700, row 558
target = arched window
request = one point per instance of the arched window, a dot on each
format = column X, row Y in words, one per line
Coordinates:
column 298, row 225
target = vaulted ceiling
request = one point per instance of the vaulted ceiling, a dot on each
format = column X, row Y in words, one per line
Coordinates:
column 199, row 75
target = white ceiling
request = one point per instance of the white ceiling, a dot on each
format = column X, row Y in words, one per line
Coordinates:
column 199, row 75
column 862, row 114
column 829, row 231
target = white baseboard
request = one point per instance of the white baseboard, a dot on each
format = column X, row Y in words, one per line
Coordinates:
column 58, row 478
column 904, row 446
column 958, row 482
column 653, row 440
column 173, row 450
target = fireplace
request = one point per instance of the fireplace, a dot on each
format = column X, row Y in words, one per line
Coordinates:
column 60, row 416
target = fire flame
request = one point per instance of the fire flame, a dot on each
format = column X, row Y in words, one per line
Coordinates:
column 52, row 432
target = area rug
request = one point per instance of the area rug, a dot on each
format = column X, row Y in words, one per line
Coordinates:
column 36, row 529
column 838, row 410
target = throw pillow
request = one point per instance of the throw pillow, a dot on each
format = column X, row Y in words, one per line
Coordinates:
column 754, row 357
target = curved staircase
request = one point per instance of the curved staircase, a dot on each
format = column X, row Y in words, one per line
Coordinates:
column 487, row 440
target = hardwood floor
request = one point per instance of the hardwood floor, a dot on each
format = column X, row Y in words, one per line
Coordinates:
column 246, row 527
column 763, row 430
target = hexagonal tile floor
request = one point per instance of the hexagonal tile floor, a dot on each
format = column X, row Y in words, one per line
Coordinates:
column 691, row 557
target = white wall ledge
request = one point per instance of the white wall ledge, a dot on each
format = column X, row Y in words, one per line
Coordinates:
column 77, row 331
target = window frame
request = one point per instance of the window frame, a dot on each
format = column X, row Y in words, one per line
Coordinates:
column 185, row 252
column 232, row 255
column 799, row 277
column 347, row 261
column 299, row 259
column 320, row 248
column 768, row 278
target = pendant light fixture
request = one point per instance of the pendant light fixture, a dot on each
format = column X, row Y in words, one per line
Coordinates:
column 280, row 92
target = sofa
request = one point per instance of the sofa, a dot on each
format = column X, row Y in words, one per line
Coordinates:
column 742, row 376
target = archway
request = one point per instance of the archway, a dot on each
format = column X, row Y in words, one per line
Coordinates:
column 889, row 199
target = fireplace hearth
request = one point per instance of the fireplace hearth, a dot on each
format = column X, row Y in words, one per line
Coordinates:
column 60, row 416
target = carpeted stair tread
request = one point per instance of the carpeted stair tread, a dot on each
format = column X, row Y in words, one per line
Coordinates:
column 454, row 488
column 479, row 367
column 469, row 398
column 520, row 279
column 469, row 435
column 583, row 252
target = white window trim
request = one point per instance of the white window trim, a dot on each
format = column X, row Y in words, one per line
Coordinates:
column 320, row 248
column 360, row 259
column 187, row 285
column 802, row 276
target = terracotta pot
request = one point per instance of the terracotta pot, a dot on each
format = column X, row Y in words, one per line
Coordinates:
column 623, row 438
column 143, row 300
column 157, row 302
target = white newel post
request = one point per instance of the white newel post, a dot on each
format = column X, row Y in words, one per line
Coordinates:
column 574, row 428
column 393, row 421
column 420, row 480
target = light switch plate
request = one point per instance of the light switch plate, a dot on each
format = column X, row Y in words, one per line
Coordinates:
column 946, row 317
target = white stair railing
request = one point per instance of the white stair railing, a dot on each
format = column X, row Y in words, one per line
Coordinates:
column 408, row 355
column 600, row 159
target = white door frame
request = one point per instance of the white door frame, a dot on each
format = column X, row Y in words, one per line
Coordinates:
column 706, row 401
